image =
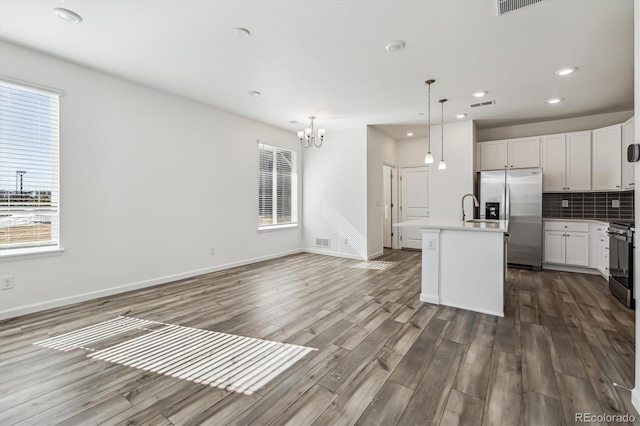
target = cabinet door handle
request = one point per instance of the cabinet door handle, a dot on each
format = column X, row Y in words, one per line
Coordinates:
column 601, row 240
column 631, row 183
column 568, row 187
column 617, row 186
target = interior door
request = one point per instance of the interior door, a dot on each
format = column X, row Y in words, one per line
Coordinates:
column 387, row 183
column 414, row 193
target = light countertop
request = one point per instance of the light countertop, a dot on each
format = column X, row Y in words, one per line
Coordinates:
column 564, row 219
column 499, row 226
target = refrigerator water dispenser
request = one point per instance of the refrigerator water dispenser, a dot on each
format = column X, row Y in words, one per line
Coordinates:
column 492, row 211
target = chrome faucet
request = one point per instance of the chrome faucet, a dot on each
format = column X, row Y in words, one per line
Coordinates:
column 475, row 203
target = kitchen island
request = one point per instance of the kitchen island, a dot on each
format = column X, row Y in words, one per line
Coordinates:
column 463, row 263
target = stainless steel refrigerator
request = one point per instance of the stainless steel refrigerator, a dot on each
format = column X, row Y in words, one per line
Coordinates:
column 515, row 195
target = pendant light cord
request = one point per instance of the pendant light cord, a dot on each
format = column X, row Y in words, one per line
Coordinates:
column 429, row 117
column 442, row 130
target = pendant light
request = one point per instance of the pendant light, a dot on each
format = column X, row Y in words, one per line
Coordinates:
column 428, row 159
column 442, row 165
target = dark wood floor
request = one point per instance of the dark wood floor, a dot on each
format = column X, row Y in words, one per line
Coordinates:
column 383, row 358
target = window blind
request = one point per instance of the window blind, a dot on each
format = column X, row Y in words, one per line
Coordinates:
column 29, row 174
column 277, row 186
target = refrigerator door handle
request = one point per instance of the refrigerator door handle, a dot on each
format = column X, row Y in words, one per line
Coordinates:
column 504, row 204
column 507, row 202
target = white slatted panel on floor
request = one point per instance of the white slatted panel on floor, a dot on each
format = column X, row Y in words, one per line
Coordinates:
column 236, row 363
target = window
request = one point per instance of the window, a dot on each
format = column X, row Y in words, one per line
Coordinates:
column 29, row 191
column 277, row 186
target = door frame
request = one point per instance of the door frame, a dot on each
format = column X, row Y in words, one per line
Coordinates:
column 395, row 205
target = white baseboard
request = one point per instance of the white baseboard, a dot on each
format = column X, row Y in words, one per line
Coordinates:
column 635, row 397
column 334, row 254
column 429, row 299
column 565, row 268
column 467, row 308
column 63, row 301
column 373, row 256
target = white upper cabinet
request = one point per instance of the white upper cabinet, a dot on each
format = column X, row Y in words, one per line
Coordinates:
column 524, row 153
column 578, row 172
column 493, row 155
column 553, row 162
column 628, row 180
column 606, row 156
column 509, row 154
column 566, row 162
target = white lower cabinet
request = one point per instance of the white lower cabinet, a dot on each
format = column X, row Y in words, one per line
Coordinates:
column 577, row 244
column 566, row 248
column 554, row 247
column 577, row 249
column 602, row 250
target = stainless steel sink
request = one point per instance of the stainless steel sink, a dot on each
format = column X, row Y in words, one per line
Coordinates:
column 483, row 221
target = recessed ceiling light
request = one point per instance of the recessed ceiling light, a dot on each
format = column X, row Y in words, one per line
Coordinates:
column 553, row 100
column 409, row 134
column 242, row 32
column 460, row 115
column 395, row 46
column 479, row 94
column 67, row 15
column 566, row 71
column 255, row 93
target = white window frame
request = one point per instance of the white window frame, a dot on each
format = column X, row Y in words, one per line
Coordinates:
column 47, row 247
column 294, row 190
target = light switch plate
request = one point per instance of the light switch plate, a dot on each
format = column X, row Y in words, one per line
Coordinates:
column 565, row 203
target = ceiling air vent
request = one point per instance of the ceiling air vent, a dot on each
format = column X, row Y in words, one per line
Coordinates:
column 480, row 104
column 323, row 242
column 506, row 6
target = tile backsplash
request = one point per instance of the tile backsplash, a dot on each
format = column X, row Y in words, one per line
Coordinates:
column 588, row 205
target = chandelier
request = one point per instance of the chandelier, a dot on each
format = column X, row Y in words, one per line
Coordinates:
column 308, row 139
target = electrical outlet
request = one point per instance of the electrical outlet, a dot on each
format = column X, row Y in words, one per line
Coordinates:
column 212, row 251
column 565, row 203
column 615, row 204
column 431, row 244
column 7, row 282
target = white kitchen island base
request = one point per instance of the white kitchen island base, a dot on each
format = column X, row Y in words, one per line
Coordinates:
column 470, row 273
column 463, row 264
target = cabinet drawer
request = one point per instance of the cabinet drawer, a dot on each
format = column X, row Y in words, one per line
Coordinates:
column 566, row 226
column 602, row 230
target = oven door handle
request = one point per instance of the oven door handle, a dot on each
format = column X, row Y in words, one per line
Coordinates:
column 620, row 237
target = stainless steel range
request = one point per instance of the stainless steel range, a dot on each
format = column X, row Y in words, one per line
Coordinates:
column 621, row 262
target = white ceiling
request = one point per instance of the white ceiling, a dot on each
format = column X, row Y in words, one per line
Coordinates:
column 328, row 58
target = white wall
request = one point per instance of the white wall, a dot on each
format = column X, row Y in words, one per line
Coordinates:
column 381, row 149
column 567, row 125
column 446, row 187
column 335, row 194
column 149, row 181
